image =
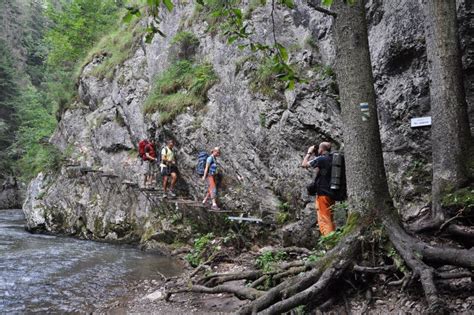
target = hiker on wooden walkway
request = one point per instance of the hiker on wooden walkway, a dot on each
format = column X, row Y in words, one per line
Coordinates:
column 169, row 168
column 210, row 173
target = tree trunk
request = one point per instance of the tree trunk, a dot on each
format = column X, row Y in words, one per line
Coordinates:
column 366, row 179
column 450, row 136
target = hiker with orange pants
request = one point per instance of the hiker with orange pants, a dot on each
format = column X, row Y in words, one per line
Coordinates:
column 210, row 173
column 322, row 163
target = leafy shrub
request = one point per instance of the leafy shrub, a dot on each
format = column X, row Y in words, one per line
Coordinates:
column 462, row 198
column 268, row 258
column 202, row 250
column 183, row 85
column 282, row 217
column 212, row 14
column 264, row 80
column 329, row 241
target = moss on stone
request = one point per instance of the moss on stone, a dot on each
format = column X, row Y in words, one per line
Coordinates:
column 353, row 220
column 98, row 225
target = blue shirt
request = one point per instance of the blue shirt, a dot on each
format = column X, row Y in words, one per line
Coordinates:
column 211, row 161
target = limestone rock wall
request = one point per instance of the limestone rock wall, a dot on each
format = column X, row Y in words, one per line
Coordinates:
column 263, row 138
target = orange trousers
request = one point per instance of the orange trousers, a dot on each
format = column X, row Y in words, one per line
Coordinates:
column 324, row 213
column 212, row 188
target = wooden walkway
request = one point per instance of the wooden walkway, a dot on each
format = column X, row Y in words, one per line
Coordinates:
column 156, row 195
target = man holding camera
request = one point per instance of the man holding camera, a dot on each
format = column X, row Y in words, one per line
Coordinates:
column 323, row 203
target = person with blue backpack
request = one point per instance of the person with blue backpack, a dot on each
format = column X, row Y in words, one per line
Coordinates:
column 207, row 168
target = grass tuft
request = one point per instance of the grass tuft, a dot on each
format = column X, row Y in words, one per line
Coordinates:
column 184, row 84
column 115, row 48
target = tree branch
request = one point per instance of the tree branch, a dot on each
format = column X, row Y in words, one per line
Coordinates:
column 314, row 4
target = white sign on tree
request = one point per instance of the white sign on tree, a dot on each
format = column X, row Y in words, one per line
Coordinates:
column 421, row 121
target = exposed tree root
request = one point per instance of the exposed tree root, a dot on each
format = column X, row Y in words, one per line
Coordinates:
column 216, row 279
column 404, row 246
column 301, row 283
column 240, row 292
column 454, row 275
column 304, row 296
column 300, row 289
column 290, row 272
column 259, row 281
column 427, row 223
column 461, row 230
column 459, row 215
column 324, row 306
column 443, row 255
column 389, row 268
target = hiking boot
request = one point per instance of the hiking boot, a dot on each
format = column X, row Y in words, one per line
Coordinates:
column 165, row 195
column 215, row 208
column 172, row 194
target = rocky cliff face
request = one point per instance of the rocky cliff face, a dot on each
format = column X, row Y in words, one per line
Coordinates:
column 263, row 137
column 11, row 194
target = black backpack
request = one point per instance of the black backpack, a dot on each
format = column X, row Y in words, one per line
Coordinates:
column 338, row 179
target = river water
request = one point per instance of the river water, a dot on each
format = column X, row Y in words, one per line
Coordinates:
column 41, row 273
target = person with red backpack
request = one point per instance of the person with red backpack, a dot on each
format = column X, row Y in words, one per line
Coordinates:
column 147, row 152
